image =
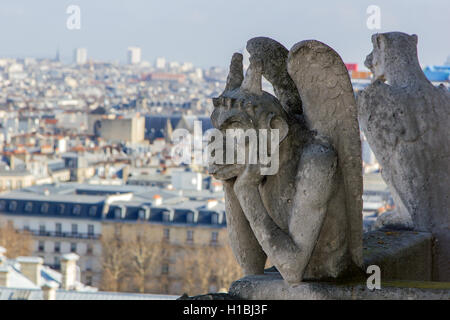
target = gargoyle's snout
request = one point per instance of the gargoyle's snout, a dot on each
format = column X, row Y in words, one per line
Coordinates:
column 368, row 62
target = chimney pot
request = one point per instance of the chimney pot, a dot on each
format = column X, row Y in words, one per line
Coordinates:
column 30, row 267
column 69, row 270
column 4, row 276
column 49, row 290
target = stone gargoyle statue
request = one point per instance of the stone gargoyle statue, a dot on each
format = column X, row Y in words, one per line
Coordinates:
column 307, row 217
column 406, row 120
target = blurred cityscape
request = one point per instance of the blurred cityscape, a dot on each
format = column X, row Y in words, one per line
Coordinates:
column 87, row 177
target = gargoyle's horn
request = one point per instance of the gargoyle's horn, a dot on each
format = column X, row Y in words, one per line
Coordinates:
column 236, row 74
column 253, row 77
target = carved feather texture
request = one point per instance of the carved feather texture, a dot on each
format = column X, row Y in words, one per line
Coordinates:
column 330, row 109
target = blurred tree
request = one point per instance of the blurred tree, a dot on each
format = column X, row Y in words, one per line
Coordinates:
column 114, row 260
column 145, row 257
column 208, row 268
column 16, row 243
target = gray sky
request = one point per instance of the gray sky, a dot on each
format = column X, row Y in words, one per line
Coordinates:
column 207, row 32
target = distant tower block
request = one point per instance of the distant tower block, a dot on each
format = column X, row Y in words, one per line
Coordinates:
column 134, row 55
column 160, row 63
column 80, row 56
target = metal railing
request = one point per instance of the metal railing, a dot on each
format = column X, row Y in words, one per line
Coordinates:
column 78, row 235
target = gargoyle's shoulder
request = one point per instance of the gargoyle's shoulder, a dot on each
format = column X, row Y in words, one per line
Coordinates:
column 375, row 89
column 319, row 151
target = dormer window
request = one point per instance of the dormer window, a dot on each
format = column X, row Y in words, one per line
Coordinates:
column 61, row 208
column 44, row 207
column 12, row 206
column 144, row 213
column 119, row 213
column 28, row 206
column 190, row 217
column 93, row 211
column 2, row 205
column 215, row 218
column 76, row 210
column 166, row 216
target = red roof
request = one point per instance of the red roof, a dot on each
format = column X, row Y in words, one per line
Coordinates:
column 51, row 121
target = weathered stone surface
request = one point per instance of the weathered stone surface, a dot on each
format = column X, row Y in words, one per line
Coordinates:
column 274, row 56
column 394, row 221
column 401, row 255
column 404, row 258
column 306, row 218
column 210, row 296
column 272, row 287
column 406, row 122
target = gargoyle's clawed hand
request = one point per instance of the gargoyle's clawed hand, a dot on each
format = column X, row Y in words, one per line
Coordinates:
column 251, row 176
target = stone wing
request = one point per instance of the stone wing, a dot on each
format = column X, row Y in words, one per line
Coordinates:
column 329, row 108
column 273, row 56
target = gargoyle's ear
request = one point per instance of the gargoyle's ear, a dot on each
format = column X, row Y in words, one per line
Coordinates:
column 276, row 122
column 377, row 39
column 414, row 38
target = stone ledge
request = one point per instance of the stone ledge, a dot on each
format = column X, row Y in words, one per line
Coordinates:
column 405, row 260
column 272, row 287
column 401, row 255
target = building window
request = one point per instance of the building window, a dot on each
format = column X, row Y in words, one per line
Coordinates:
column 165, row 268
column 215, row 218
column 73, row 247
column 74, row 229
column 56, row 262
column 90, row 229
column 144, row 213
column 12, row 206
column 93, row 211
column 214, row 237
column 57, row 247
column 76, row 210
column 42, row 230
column 190, row 236
column 61, row 208
column 190, row 217
column 90, row 248
column 2, row 205
column 166, row 234
column 44, row 208
column 119, row 213
column 166, row 216
column 41, row 246
column 58, row 229
column 28, row 206
column 88, row 280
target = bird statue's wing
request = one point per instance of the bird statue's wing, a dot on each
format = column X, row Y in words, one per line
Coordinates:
column 329, row 108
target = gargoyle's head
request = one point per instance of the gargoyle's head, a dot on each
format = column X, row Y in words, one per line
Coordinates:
column 244, row 105
column 392, row 52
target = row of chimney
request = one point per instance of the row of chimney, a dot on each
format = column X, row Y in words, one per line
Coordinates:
column 31, row 267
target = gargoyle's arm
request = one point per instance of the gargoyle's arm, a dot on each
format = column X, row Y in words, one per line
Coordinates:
column 246, row 248
column 290, row 252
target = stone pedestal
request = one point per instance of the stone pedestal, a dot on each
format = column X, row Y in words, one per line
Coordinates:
column 401, row 255
column 405, row 261
column 272, row 287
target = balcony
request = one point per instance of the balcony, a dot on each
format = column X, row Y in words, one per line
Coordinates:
column 54, row 234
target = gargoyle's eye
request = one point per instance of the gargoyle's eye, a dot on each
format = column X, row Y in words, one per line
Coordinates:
column 234, row 125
